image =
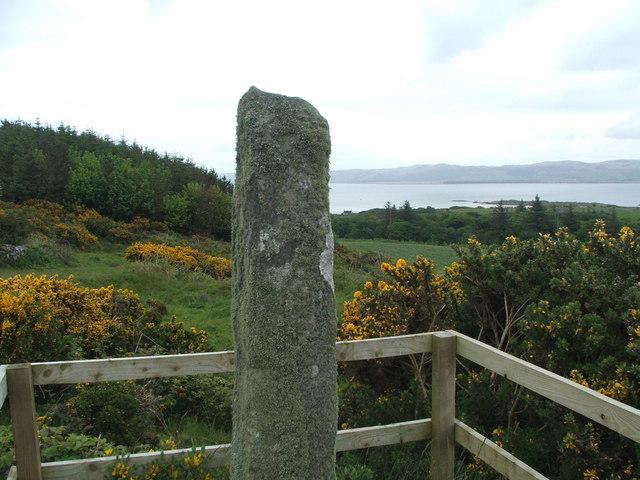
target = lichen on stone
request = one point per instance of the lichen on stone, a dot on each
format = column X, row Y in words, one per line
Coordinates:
column 283, row 307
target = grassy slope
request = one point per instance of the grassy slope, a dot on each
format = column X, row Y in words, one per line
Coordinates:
column 194, row 298
column 391, row 250
column 201, row 301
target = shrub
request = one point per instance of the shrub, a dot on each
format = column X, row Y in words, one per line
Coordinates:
column 567, row 305
column 194, row 466
column 14, row 226
column 361, row 405
column 112, row 409
column 411, row 298
column 207, row 398
column 410, row 461
column 12, row 254
column 76, row 235
column 41, row 317
column 57, row 443
column 97, row 224
column 187, row 257
column 354, row 472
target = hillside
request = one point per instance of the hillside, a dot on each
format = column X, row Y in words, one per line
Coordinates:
column 612, row 171
column 120, row 180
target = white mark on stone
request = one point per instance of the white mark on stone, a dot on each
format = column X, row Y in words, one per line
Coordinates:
column 326, row 257
column 266, row 240
column 277, row 272
column 305, row 183
column 314, row 370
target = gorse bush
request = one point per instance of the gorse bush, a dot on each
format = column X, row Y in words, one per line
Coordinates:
column 53, row 221
column 79, row 227
column 411, row 298
column 194, row 466
column 42, row 315
column 187, row 257
column 568, row 305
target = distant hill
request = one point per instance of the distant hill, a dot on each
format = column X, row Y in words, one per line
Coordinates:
column 612, row 171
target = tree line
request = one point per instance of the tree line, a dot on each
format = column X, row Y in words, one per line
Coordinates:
column 490, row 225
column 119, row 179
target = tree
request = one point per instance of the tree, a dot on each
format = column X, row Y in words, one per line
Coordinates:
column 121, row 197
column 569, row 219
column 29, row 175
column 211, row 210
column 406, row 213
column 500, row 222
column 120, row 179
column 402, row 230
column 177, row 211
column 538, row 220
column 86, row 184
column 389, row 212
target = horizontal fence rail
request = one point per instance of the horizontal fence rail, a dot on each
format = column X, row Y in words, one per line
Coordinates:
column 219, row 455
column 493, row 455
column 137, row 368
column 611, row 413
column 595, row 406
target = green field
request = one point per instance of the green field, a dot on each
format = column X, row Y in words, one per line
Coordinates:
column 391, row 250
column 203, row 302
column 194, row 298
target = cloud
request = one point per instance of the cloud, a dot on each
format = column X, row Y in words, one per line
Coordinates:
column 457, row 27
column 466, row 81
column 614, row 45
column 627, row 130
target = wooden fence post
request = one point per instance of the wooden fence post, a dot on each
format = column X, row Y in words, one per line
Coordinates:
column 23, row 421
column 443, row 406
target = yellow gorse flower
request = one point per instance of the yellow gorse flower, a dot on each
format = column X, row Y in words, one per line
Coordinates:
column 387, row 309
column 191, row 258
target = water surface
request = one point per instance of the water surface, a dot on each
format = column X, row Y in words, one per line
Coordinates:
column 365, row 196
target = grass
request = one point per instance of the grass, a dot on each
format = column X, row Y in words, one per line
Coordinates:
column 194, row 298
column 391, row 250
column 201, row 301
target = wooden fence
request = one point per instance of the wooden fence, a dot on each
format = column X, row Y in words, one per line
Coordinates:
column 444, row 430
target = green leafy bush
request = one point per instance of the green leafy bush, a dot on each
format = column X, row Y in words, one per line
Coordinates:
column 58, row 443
column 113, row 410
column 14, row 226
column 205, row 397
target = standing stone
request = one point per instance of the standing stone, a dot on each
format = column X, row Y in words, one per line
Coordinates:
column 283, row 308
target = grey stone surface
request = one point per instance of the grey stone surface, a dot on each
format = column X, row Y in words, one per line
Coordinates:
column 12, row 253
column 283, row 307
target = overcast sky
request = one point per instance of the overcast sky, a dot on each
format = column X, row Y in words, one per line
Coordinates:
column 400, row 82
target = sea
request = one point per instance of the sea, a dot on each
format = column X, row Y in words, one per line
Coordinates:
column 365, row 196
